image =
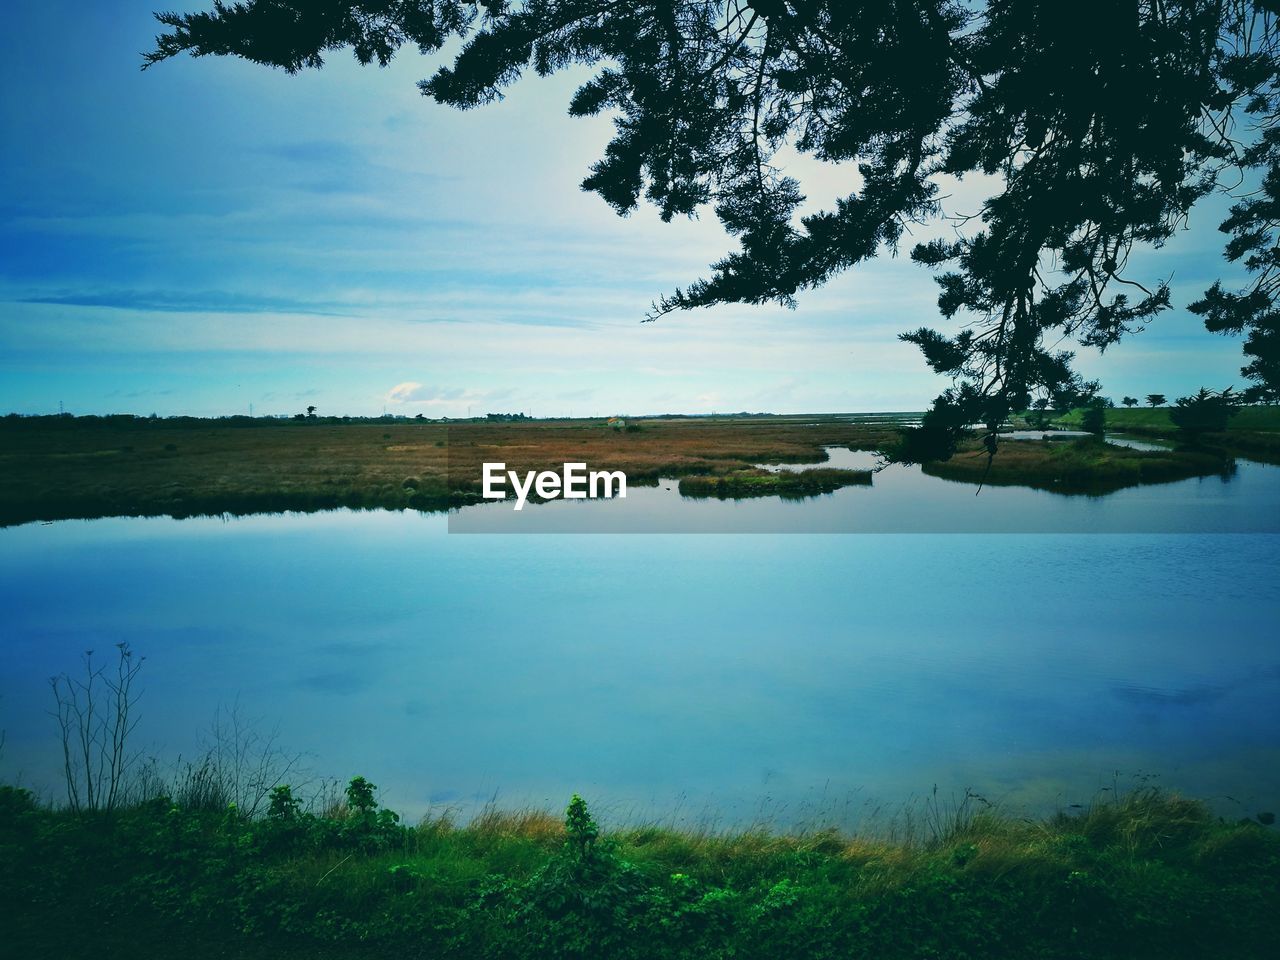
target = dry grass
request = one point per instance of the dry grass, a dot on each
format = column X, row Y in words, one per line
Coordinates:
column 537, row 826
column 660, row 448
column 1115, row 833
column 53, row 468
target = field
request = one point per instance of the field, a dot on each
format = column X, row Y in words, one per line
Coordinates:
column 1253, row 432
column 1156, row 419
column 1146, row 875
column 81, row 467
column 54, row 468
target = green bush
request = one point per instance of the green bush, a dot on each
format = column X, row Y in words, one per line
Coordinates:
column 1146, row 876
column 1204, row 412
column 1094, row 419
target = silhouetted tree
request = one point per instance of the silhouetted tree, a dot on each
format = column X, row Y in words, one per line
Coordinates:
column 1095, row 417
column 1100, row 124
column 1156, row 400
column 1205, row 412
column 1130, row 401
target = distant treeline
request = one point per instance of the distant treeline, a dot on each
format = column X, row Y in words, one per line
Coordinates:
column 46, row 421
column 264, row 420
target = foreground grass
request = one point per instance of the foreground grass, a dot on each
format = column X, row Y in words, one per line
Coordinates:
column 1150, row 875
column 1088, row 465
column 57, row 468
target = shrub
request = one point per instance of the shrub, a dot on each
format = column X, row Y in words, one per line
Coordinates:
column 1095, row 417
column 1205, row 412
column 580, row 826
column 283, row 805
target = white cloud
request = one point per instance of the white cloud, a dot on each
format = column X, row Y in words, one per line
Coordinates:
column 413, row 392
column 406, row 392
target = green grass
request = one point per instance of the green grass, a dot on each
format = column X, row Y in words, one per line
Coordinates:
column 1084, row 466
column 1253, row 432
column 1156, row 419
column 1148, row 875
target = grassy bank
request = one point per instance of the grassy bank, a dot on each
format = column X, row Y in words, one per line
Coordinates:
column 1088, row 465
column 1156, row 420
column 56, row 468
column 1149, row 875
column 788, row 484
column 1253, row 432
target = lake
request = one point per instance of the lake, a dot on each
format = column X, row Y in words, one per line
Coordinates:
column 1008, row 647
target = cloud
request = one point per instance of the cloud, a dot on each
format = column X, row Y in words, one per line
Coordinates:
column 407, row 392
column 336, row 153
column 135, row 394
column 413, row 392
column 172, row 301
column 586, row 393
column 340, row 227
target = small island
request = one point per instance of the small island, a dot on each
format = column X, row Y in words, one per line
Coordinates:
column 1085, row 465
column 787, row 484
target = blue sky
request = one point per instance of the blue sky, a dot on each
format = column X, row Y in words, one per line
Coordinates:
column 210, row 234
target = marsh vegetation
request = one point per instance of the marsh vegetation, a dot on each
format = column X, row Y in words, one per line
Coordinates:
column 56, row 468
column 787, row 484
column 1086, row 465
column 82, row 467
column 1141, row 875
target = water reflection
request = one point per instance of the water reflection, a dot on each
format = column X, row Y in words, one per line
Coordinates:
column 838, row 458
column 1137, row 443
column 903, row 499
column 684, row 678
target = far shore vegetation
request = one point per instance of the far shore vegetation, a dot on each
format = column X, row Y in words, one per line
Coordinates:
column 788, row 484
column 1084, row 465
column 1252, row 431
column 71, row 467
column 63, row 467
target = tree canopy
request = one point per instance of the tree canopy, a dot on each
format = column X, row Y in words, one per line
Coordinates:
column 1100, row 123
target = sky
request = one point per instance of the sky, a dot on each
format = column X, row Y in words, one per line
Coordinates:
column 211, row 237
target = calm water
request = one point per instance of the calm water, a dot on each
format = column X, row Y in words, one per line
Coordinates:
column 903, row 499
column 795, row 678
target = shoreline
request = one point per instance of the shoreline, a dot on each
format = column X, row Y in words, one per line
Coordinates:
column 60, row 468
